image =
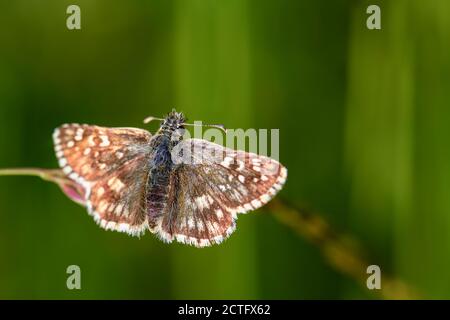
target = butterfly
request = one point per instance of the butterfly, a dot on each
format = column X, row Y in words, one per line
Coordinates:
column 187, row 190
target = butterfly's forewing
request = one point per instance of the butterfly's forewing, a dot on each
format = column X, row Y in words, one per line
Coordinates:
column 209, row 189
column 111, row 165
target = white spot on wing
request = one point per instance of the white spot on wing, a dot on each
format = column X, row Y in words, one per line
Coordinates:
column 79, row 134
column 119, row 209
column 115, row 184
column 105, row 141
column 102, row 205
column 62, row 162
column 219, row 213
column 256, row 161
column 119, row 155
column 202, row 202
column 91, row 141
column 226, row 162
column 256, row 203
column 264, row 198
column 67, row 169
column 190, row 223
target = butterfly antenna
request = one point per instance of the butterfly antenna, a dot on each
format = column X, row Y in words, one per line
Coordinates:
column 218, row 126
column 149, row 119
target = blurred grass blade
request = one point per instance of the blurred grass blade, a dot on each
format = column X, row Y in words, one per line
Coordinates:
column 342, row 252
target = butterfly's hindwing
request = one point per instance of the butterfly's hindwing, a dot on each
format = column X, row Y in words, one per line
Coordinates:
column 117, row 201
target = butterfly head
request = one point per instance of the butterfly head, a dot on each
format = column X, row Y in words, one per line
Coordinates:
column 173, row 121
column 177, row 121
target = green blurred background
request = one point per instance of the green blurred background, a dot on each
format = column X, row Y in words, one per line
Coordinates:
column 364, row 119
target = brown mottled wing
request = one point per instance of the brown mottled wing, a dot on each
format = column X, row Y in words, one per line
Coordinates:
column 209, row 189
column 111, row 165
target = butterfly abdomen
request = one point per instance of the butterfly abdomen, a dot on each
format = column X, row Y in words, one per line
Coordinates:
column 158, row 181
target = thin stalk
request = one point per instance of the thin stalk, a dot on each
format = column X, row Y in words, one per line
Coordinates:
column 52, row 175
column 43, row 173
